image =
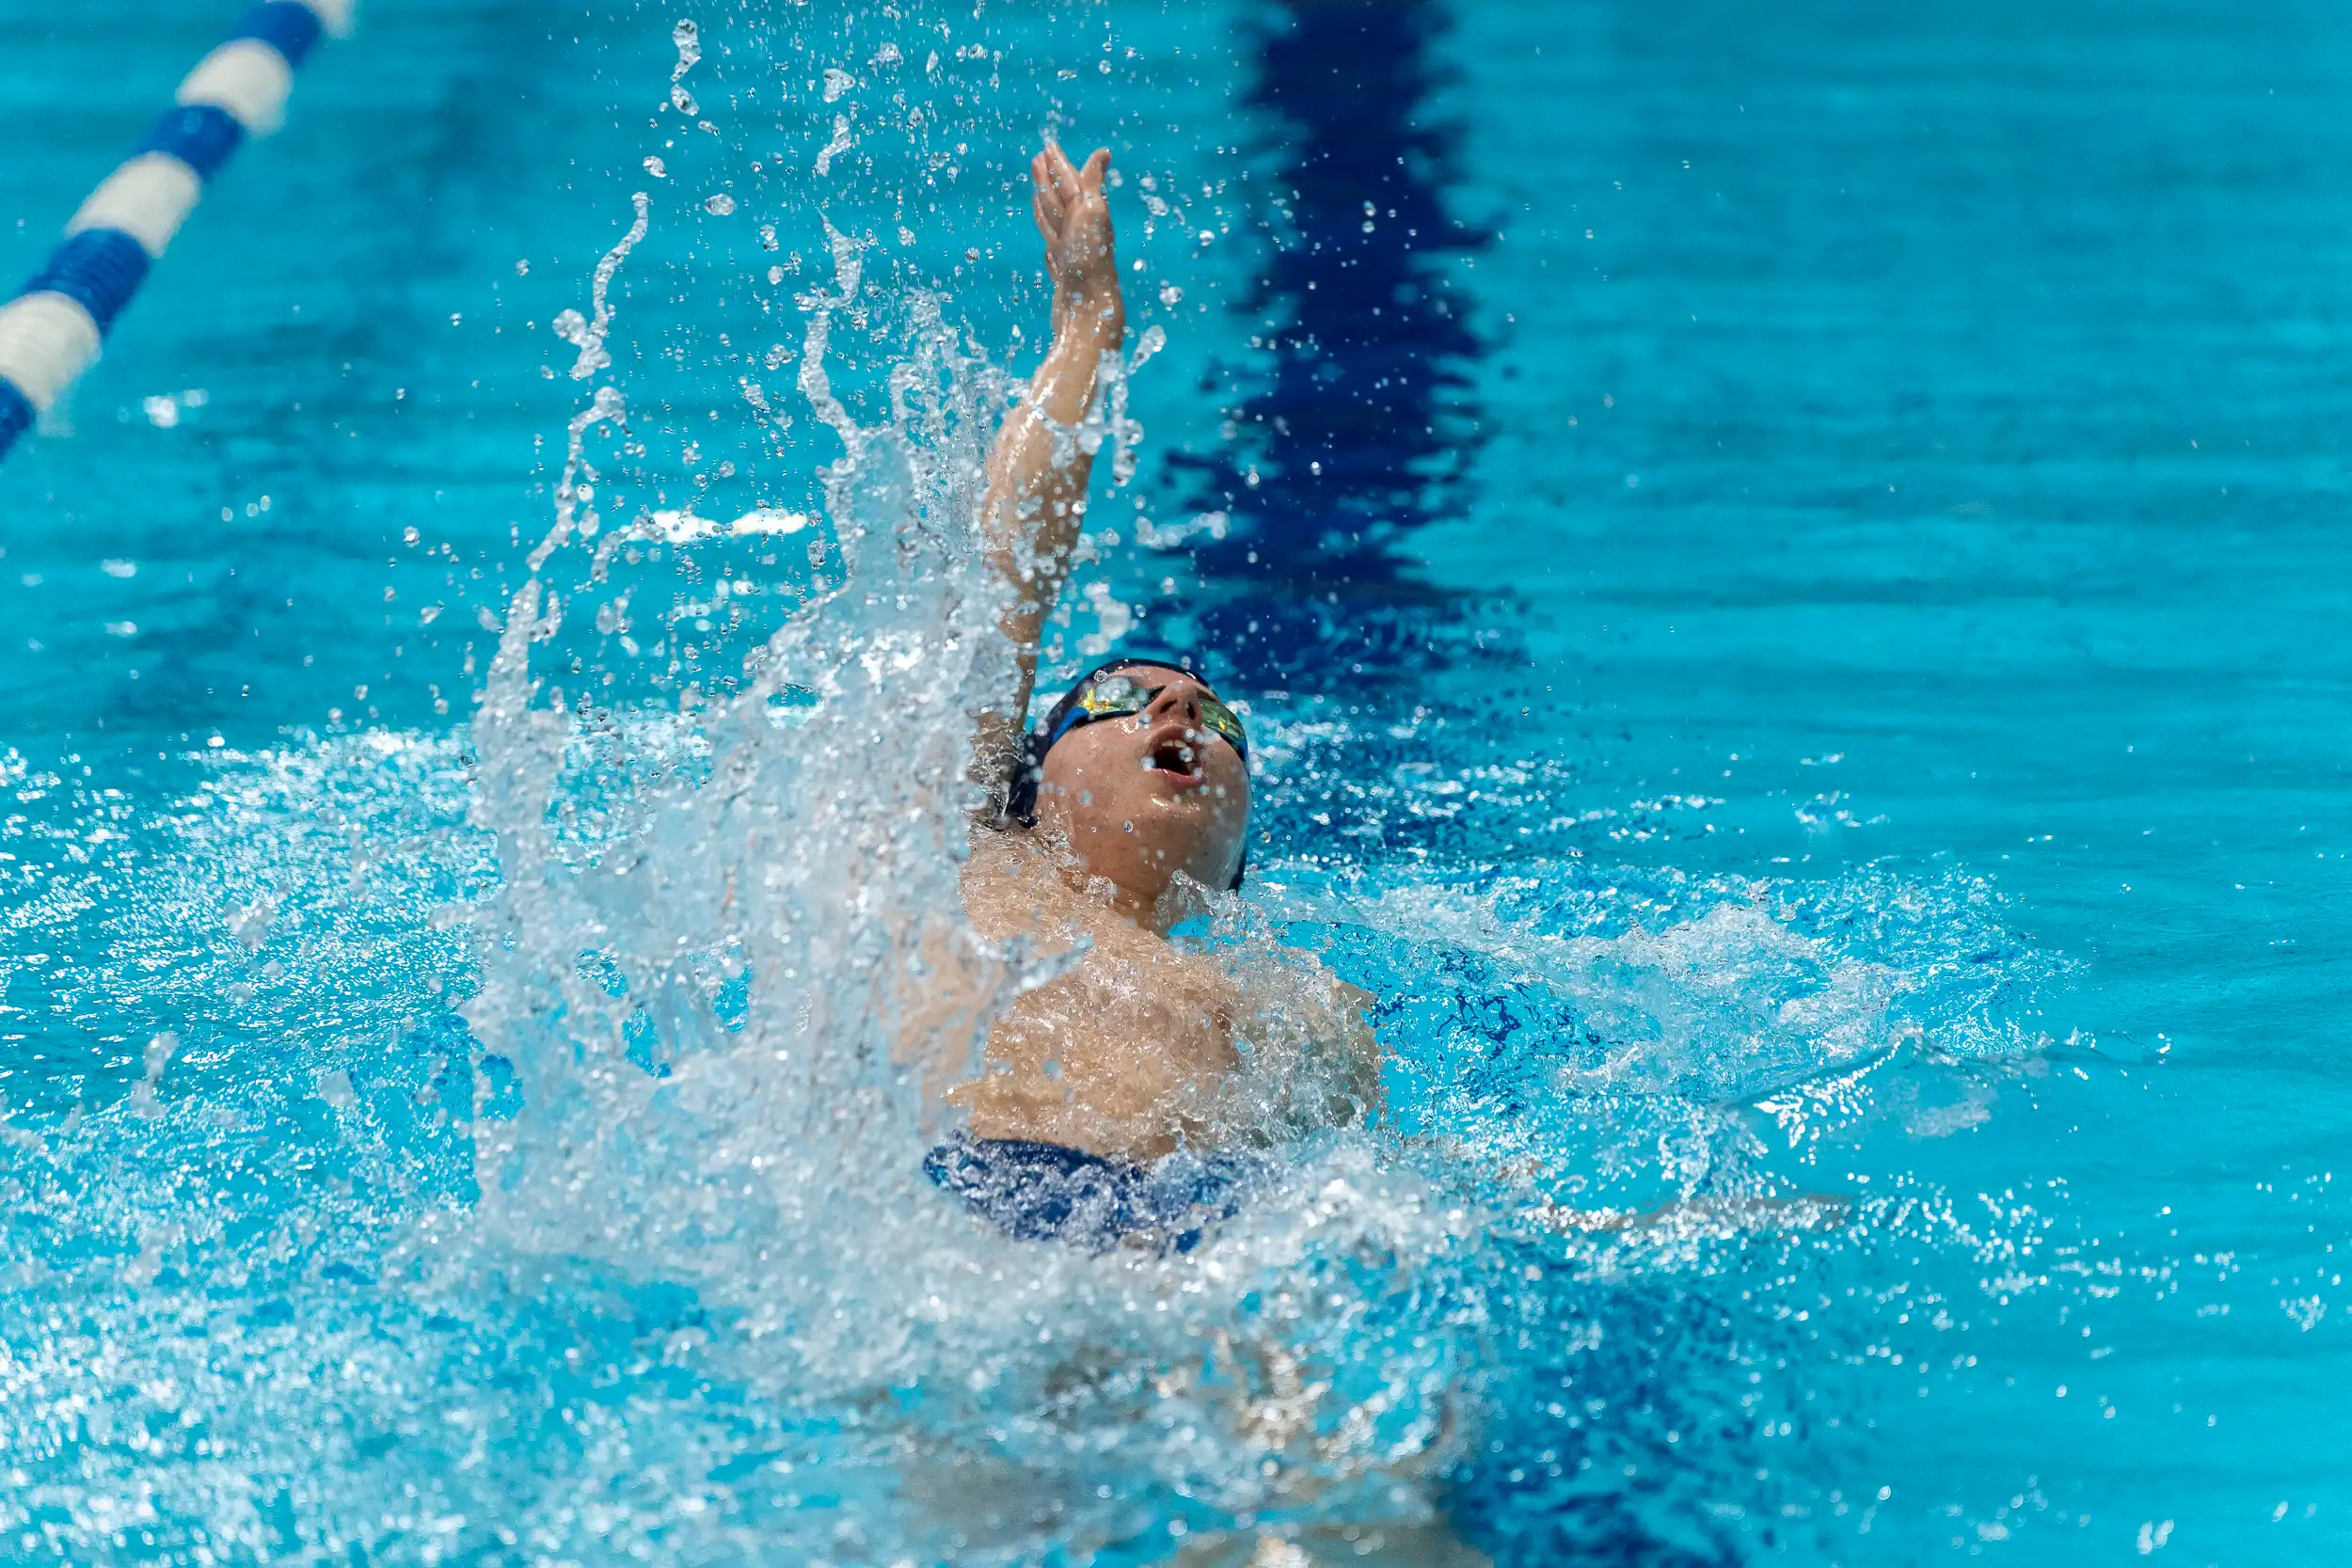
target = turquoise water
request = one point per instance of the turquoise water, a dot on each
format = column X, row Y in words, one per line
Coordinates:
column 1809, row 667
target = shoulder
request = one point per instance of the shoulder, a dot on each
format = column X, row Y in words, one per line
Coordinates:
column 1012, row 885
column 1313, row 977
column 1290, row 980
column 996, row 846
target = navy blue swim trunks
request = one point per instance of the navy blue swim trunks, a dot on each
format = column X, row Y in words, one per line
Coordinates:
column 1040, row 1192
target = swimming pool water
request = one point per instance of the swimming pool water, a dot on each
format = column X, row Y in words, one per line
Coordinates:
column 1807, row 666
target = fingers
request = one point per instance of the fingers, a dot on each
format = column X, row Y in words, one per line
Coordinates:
column 1065, row 183
column 1058, row 187
column 1043, row 197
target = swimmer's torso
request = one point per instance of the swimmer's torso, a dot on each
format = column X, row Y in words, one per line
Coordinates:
column 1133, row 1052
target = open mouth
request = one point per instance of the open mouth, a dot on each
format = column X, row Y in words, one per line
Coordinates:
column 1173, row 756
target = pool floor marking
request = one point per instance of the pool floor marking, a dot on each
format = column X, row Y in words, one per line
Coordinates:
column 51, row 332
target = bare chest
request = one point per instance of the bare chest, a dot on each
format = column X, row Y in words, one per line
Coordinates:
column 1126, row 1052
column 1151, row 1018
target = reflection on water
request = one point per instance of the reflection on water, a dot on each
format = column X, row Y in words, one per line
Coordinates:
column 1361, row 429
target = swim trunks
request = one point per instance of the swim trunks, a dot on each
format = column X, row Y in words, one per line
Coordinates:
column 1041, row 1191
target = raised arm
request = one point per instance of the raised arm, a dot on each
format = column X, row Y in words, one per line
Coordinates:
column 1037, row 474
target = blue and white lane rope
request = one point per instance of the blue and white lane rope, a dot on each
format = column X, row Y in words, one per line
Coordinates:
column 50, row 332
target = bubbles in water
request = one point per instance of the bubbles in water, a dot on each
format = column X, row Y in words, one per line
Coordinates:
column 720, row 205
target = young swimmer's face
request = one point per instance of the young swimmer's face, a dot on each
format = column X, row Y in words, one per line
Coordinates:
column 1144, row 797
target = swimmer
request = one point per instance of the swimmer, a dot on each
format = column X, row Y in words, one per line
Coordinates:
column 1111, row 1109
column 1116, row 1107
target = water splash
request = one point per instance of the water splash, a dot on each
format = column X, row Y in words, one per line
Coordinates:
column 688, row 38
column 581, row 1217
column 587, row 335
column 714, row 1038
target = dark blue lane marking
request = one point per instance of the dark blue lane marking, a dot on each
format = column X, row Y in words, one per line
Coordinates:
column 1358, row 422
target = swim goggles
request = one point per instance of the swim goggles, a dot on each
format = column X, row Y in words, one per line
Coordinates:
column 1117, row 696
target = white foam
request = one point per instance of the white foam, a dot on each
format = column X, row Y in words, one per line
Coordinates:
column 685, row 527
column 682, row 528
column 768, row 521
column 47, row 340
column 148, row 199
column 247, row 78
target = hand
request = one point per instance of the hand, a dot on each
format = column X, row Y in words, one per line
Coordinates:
column 1076, row 220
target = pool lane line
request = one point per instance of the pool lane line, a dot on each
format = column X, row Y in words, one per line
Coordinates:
column 51, row 331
